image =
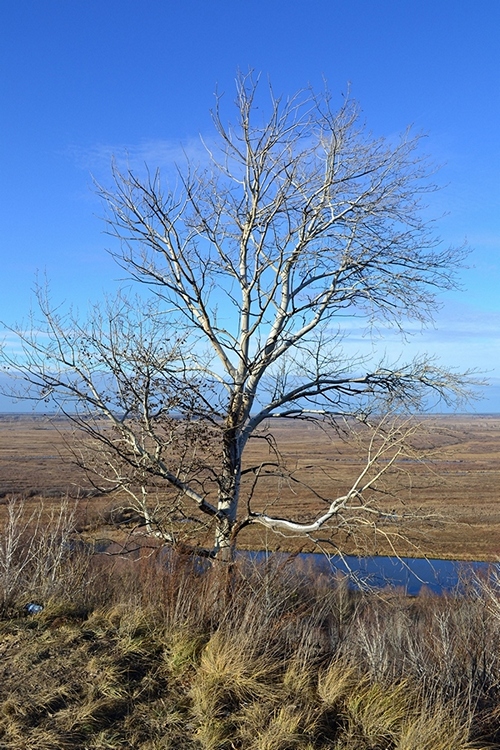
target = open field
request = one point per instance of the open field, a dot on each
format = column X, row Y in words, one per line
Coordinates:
column 451, row 505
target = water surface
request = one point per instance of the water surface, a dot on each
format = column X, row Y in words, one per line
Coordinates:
column 409, row 573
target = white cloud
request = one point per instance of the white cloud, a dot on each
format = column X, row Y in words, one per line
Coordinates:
column 462, row 337
column 153, row 154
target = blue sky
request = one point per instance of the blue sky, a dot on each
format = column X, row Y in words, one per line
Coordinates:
column 82, row 80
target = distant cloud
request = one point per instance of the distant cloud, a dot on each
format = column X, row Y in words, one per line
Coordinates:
column 465, row 324
column 462, row 337
column 153, row 154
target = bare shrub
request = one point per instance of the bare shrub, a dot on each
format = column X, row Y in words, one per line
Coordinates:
column 38, row 555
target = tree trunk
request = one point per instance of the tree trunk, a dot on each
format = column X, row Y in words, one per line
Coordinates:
column 229, row 488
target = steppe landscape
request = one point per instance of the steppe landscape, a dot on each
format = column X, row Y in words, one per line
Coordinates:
column 446, row 507
column 243, row 246
column 143, row 652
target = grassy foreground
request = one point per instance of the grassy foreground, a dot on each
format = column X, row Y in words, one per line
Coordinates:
column 150, row 653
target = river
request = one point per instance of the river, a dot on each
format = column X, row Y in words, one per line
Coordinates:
column 411, row 574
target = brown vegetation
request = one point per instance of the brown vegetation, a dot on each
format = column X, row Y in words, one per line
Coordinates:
column 448, row 507
column 151, row 653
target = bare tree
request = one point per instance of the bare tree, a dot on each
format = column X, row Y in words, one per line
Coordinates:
column 300, row 223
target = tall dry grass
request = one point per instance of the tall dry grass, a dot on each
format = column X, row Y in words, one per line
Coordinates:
column 37, row 553
column 162, row 652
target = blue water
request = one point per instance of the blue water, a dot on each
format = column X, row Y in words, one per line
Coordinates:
column 408, row 573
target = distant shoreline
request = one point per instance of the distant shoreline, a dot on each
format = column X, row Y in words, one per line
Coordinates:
column 4, row 415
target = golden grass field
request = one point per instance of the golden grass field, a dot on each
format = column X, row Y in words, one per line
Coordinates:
column 451, row 503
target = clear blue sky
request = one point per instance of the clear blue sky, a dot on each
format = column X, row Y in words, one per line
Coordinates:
column 81, row 80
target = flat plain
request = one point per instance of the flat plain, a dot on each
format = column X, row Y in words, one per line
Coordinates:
column 445, row 507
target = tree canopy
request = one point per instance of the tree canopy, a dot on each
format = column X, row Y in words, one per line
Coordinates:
column 256, row 261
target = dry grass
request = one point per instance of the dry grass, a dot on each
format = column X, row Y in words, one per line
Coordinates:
column 450, row 511
column 150, row 653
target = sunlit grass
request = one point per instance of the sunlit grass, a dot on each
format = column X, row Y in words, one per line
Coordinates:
column 146, row 656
